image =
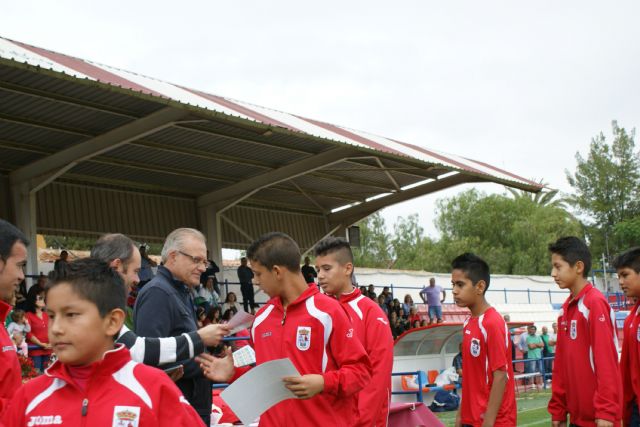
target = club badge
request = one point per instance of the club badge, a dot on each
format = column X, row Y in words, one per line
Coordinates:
column 573, row 332
column 475, row 347
column 303, row 338
column 126, row 416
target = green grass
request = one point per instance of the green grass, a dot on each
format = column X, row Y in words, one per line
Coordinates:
column 532, row 410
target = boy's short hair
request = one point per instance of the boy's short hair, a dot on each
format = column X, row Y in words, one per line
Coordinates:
column 474, row 267
column 275, row 249
column 9, row 235
column 335, row 245
column 629, row 259
column 572, row 250
column 94, row 281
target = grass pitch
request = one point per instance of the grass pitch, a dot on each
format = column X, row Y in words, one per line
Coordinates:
column 532, row 410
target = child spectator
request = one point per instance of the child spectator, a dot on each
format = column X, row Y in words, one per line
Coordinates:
column 586, row 381
column 414, row 317
column 92, row 383
column 628, row 268
column 488, row 389
column 18, row 323
column 19, row 343
column 214, row 315
column 39, row 323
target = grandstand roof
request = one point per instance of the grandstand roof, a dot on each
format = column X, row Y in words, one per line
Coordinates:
column 103, row 149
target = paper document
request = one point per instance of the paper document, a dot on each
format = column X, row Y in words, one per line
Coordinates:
column 241, row 320
column 244, row 356
column 259, row 389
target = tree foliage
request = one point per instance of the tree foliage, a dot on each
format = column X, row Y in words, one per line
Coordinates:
column 512, row 234
column 607, row 190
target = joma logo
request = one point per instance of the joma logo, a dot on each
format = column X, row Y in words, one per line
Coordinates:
column 44, row 420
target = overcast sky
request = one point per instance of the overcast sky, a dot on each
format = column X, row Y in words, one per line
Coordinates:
column 522, row 87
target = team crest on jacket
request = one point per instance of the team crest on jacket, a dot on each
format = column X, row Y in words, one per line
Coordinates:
column 573, row 332
column 303, row 338
column 475, row 347
column 126, row 416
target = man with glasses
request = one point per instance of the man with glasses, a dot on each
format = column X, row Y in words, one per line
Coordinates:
column 13, row 259
column 165, row 308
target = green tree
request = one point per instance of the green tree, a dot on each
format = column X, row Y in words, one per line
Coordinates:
column 607, row 188
column 411, row 247
column 375, row 243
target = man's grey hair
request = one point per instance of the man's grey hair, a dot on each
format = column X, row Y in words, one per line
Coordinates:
column 113, row 246
column 176, row 239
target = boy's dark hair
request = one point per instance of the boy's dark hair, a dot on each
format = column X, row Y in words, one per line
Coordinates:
column 335, row 245
column 572, row 250
column 9, row 235
column 113, row 246
column 474, row 267
column 275, row 249
column 629, row 259
column 94, row 281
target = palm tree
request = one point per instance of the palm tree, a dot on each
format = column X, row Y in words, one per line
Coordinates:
column 545, row 197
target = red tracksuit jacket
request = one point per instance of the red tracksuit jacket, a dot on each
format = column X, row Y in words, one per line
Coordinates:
column 630, row 363
column 586, row 379
column 120, row 392
column 372, row 329
column 316, row 334
column 10, row 377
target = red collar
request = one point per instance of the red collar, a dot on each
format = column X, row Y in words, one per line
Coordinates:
column 589, row 286
column 350, row 296
column 308, row 293
column 111, row 362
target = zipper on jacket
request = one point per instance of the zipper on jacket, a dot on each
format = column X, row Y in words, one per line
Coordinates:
column 284, row 317
column 85, row 407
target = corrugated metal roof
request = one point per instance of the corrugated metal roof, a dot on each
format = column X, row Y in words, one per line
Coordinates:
column 145, row 187
column 88, row 70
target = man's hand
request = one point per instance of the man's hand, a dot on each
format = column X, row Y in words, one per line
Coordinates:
column 558, row 424
column 217, row 369
column 212, row 334
column 603, row 423
column 306, row 386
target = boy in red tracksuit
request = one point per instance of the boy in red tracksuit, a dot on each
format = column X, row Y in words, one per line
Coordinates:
column 586, row 380
column 13, row 258
column 488, row 389
column 314, row 332
column 92, row 383
column 628, row 267
column 334, row 263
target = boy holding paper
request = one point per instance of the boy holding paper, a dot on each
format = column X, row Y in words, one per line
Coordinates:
column 314, row 332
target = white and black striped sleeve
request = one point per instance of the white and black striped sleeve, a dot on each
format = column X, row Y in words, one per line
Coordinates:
column 160, row 351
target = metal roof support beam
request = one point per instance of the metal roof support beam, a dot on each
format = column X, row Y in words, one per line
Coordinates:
column 237, row 228
column 211, row 227
column 235, row 193
column 60, row 162
column 352, row 215
column 24, row 209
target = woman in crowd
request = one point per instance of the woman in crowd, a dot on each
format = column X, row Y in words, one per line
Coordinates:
column 209, row 294
column 231, row 303
column 39, row 323
column 406, row 306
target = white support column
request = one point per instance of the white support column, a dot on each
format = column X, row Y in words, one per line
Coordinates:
column 24, row 208
column 211, row 227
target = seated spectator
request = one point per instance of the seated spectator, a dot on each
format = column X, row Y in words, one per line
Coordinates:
column 387, row 295
column 18, row 323
column 415, row 324
column 414, row 316
column 208, row 294
column 201, row 314
column 383, row 305
column 20, row 344
column 423, row 322
column 214, row 316
column 363, row 290
column 39, row 323
column 406, row 306
column 397, row 327
column 231, row 303
column 21, row 294
column 457, row 362
column 395, row 307
column 371, row 293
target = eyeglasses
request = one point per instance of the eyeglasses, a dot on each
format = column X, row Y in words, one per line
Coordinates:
column 195, row 259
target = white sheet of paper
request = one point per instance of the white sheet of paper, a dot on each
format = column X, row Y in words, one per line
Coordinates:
column 259, row 389
column 241, row 320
